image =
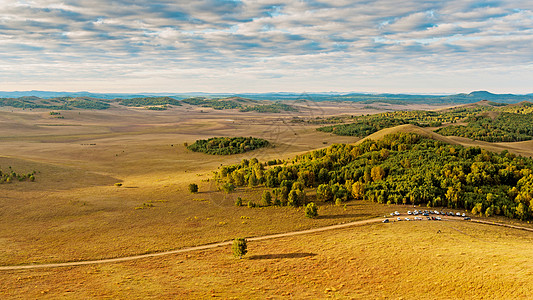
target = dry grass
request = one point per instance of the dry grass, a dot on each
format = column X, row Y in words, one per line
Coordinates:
column 74, row 212
column 399, row 260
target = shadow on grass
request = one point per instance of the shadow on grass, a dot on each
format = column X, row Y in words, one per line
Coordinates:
column 282, row 255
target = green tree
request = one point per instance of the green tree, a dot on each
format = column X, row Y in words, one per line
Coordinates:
column 193, row 188
column 239, row 247
column 358, row 190
column 324, row 193
column 266, row 198
column 311, row 210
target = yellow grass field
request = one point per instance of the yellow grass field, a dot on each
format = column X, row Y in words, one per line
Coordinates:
column 74, row 211
column 401, row 260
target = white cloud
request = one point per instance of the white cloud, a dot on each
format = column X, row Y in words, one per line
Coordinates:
column 335, row 45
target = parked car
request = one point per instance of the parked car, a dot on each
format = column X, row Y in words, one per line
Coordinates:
column 409, row 212
column 463, row 215
column 398, row 219
column 467, row 218
column 407, row 219
column 458, row 214
column 429, row 218
column 425, row 214
column 436, row 212
column 392, row 214
column 396, row 213
column 385, row 221
column 438, row 218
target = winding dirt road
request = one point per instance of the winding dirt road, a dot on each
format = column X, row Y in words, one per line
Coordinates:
column 189, row 249
column 214, row 245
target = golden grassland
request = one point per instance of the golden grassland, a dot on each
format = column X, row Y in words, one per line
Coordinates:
column 401, row 260
column 74, row 211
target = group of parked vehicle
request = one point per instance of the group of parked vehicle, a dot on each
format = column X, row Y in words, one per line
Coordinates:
column 426, row 213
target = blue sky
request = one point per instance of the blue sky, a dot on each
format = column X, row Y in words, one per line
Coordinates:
column 266, row 46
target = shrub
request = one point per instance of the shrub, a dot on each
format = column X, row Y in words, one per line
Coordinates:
column 193, row 188
column 239, row 247
column 238, row 202
column 311, row 210
column 228, row 187
column 116, row 184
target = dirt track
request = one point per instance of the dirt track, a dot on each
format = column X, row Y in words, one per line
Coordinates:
column 210, row 246
column 196, row 248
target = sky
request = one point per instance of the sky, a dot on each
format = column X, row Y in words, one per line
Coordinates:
column 232, row 46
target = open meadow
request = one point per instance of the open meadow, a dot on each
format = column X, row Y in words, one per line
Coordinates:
column 76, row 210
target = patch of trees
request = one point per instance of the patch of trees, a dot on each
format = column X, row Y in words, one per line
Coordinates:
column 60, row 103
column 506, row 127
column 363, row 126
column 149, row 101
column 402, row 168
column 227, row 145
column 11, row 176
column 269, row 108
column 218, row 104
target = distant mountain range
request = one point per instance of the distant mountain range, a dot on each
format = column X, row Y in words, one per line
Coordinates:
column 352, row 97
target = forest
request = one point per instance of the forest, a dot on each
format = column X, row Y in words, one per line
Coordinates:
column 227, row 145
column 218, row 104
column 402, row 168
column 60, row 103
column 506, row 127
column 269, row 108
column 510, row 123
column 149, row 101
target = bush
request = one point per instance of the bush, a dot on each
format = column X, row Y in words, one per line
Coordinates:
column 239, row 247
column 193, row 188
column 238, row 202
column 116, row 184
column 311, row 210
column 228, row 187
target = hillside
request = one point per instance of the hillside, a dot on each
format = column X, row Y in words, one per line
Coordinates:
column 407, row 128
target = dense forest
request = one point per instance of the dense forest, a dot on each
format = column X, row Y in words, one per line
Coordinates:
column 60, row 103
column 402, row 168
column 218, row 104
column 506, row 127
column 10, row 176
column 508, row 123
column 362, row 126
column 269, row 108
column 149, row 101
column 227, row 145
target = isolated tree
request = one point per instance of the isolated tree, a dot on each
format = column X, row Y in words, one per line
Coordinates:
column 239, row 247
column 193, row 188
column 311, row 210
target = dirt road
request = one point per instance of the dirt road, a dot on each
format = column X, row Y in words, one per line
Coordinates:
column 196, row 248
column 227, row 243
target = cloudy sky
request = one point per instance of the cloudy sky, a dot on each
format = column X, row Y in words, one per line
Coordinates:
column 430, row 46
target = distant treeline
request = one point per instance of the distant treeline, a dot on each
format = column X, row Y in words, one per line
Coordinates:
column 510, row 123
column 149, row 101
column 227, row 145
column 269, row 108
